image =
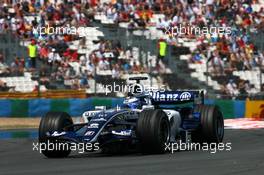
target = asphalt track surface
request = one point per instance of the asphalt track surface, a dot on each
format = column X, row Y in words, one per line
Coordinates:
column 246, row 157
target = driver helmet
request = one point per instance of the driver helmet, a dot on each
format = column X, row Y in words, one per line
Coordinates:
column 137, row 89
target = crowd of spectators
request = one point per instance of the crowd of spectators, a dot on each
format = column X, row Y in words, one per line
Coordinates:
column 232, row 89
column 109, row 56
column 229, row 52
column 54, row 53
column 16, row 68
column 225, row 53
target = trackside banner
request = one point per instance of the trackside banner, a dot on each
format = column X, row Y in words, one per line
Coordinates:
column 76, row 106
column 38, row 107
column 254, row 109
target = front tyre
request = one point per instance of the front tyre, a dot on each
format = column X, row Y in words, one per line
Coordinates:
column 153, row 131
column 54, row 121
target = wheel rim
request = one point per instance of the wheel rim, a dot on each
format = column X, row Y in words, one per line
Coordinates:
column 220, row 128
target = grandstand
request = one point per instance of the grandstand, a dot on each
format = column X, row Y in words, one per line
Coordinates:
column 121, row 40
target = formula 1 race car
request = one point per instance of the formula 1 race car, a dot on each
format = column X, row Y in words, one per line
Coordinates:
column 146, row 121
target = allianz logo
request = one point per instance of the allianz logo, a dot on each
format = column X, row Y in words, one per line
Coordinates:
column 170, row 96
column 185, row 96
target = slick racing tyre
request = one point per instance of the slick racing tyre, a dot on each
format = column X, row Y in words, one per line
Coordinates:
column 54, row 121
column 153, row 131
column 212, row 124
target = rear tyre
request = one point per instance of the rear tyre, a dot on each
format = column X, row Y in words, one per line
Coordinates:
column 153, row 131
column 55, row 121
column 212, row 124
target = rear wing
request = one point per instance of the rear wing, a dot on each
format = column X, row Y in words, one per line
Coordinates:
column 177, row 97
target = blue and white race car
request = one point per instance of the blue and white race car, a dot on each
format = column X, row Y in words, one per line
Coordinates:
column 147, row 121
